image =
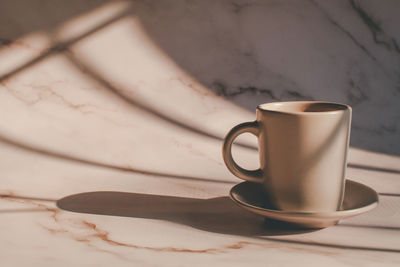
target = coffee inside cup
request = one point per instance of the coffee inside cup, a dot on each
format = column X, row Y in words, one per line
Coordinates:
column 302, row 107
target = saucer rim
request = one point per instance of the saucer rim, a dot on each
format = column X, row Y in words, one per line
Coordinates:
column 335, row 215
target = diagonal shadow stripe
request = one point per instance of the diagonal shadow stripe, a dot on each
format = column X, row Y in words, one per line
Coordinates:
column 319, row 244
column 118, row 92
column 12, row 196
column 60, row 155
column 394, row 228
column 372, row 168
column 61, row 46
column 389, row 194
column 22, row 210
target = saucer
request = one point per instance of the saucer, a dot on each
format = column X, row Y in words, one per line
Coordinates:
column 358, row 198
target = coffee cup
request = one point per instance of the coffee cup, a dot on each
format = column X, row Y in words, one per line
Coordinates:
column 303, row 149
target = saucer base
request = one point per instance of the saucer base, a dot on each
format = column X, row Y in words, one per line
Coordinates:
column 358, row 198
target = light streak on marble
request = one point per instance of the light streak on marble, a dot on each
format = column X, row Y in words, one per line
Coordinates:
column 106, row 103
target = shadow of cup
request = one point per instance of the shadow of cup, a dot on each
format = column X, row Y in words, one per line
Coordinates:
column 218, row 215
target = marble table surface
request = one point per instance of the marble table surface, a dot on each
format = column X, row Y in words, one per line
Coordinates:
column 110, row 155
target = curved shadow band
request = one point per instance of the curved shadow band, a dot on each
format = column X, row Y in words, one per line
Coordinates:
column 60, row 155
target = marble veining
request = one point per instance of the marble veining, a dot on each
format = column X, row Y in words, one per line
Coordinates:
column 264, row 51
column 112, row 115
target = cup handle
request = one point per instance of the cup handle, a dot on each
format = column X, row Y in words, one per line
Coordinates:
column 249, row 175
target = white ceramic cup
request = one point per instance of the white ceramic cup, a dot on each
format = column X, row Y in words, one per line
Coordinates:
column 303, row 154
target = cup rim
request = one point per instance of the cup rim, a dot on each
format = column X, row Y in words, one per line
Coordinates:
column 341, row 108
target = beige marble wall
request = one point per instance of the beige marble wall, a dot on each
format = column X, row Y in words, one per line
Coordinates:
column 248, row 52
column 112, row 115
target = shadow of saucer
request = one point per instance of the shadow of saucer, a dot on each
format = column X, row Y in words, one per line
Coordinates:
column 218, row 215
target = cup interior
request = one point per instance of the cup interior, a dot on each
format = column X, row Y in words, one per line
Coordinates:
column 303, row 107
